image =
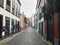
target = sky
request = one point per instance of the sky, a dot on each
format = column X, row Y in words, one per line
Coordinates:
column 28, row 7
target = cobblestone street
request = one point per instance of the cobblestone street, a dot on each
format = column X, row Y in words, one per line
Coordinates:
column 27, row 37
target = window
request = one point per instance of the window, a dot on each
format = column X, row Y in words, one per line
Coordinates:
column 13, row 9
column 8, row 2
column 39, row 16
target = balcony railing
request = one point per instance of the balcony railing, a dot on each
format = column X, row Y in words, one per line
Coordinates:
column 1, row 3
column 8, row 8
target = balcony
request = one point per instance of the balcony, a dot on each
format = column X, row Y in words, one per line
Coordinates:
column 18, row 15
column 19, row 2
column 1, row 3
column 13, row 11
column 8, row 8
column 8, row 5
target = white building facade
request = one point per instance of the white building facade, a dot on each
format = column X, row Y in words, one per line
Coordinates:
column 9, row 16
column 40, row 15
column 33, row 21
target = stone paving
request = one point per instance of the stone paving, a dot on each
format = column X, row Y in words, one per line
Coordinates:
column 27, row 37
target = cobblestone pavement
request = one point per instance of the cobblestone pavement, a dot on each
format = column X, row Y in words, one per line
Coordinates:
column 27, row 37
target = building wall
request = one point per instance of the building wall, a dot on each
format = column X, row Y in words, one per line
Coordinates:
column 56, row 33
column 33, row 20
column 51, row 20
column 5, row 13
column 22, row 22
column 56, row 25
column 39, row 13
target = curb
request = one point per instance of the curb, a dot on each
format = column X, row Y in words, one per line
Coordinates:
column 2, row 42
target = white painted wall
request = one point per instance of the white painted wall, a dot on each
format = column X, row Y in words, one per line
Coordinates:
column 5, row 13
column 33, row 20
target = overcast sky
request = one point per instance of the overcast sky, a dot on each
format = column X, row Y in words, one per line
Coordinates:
column 28, row 7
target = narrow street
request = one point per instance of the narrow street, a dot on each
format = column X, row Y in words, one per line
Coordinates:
column 27, row 37
column 29, row 22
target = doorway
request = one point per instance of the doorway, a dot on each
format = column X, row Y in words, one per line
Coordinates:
column 41, row 28
column 1, row 20
column 13, row 26
column 7, row 31
column 50, row 30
